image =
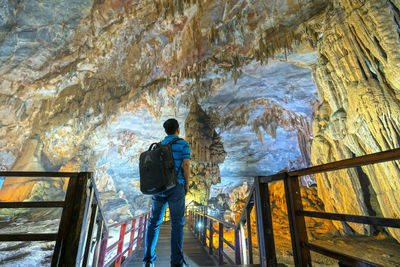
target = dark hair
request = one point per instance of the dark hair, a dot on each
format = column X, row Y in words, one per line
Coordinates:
column 170, row 126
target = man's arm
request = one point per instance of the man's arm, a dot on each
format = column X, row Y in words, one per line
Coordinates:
column 186, row 173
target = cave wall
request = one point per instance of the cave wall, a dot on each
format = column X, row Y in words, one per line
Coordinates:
column 83, row 83
column 358, row 82
column 86, row 85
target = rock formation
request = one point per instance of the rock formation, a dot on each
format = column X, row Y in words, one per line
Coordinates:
column 207, row 151
column 358, row 80
column 86, row 85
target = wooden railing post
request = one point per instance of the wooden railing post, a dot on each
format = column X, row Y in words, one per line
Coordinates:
column 266, row 244
column 78, row 200
column 132, row 238
column 221, row 244
column 298, row 231
column 120, row 245
column 237, row 247
column 210, row 241
column 249, row 232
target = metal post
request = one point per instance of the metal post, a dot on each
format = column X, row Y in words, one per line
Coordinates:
column 249, row 232
column 103, row 249
column 140, row 233
column 243, row 248
column 120, row 245
column 298, row 231
column 194, row 225
column 221, row 244
column 204, row 241
column 237, row 247
column 90, row 234
column 265, row 232
column 100, row 225
column 132, row 238
column 210, row 241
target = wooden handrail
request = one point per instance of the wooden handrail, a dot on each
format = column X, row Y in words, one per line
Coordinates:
column 38, row 174
column 385, row 222
column 195, row 217
column 296, row 214
column 216, row 219
column 379, row 157
column 78, row 198
column 33, row 204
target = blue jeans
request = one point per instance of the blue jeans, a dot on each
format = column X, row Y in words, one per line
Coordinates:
column 175, row 197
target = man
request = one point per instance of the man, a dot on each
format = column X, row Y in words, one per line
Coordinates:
column 175, row 197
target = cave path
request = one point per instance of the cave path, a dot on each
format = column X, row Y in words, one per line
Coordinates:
column 195, row 255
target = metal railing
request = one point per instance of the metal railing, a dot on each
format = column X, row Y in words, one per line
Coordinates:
column 259, row 198
column 200, row 222
column 133, row 243
column 83, row 233
column 75, row 209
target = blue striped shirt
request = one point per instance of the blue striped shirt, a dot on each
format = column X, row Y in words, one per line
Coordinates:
column 180, row 151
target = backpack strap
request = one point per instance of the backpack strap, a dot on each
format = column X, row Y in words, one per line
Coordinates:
column 171, row 143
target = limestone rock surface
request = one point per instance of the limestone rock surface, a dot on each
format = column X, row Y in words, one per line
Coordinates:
column 358, row 81
column 86, row 85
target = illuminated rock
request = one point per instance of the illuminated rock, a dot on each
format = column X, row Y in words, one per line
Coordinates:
column 358, row 77
column 86, row 85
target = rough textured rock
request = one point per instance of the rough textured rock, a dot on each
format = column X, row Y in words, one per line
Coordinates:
column 86, row 85
column 207, row 151
column 358, row 81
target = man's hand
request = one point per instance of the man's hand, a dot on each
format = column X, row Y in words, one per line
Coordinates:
column 186, row 174
column 186, row 188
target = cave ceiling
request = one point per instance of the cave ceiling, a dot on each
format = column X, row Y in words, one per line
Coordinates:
column 86, row 85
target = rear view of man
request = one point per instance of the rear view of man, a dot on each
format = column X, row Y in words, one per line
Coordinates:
column 175, row 197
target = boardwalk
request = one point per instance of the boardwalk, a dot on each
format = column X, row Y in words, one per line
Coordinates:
column 195, row 255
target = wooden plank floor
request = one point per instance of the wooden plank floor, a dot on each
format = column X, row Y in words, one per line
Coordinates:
column 195, row 255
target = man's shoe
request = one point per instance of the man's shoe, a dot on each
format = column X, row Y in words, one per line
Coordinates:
column 148, row 264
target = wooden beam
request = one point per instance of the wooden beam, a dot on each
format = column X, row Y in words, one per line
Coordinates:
column 39, row 174
column 78, row 200
column 352, row 261
column 39, row 204
column 28, row 237
column 386, row 222
column 298, row 231
column 348, row 163
column 272, row 178
column 265, row 231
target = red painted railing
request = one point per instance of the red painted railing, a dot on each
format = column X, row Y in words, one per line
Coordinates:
column 134, row 242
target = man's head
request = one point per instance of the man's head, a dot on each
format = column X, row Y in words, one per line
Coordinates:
column 171, row 126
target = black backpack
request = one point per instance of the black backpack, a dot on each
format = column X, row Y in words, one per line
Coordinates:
column 157, row 168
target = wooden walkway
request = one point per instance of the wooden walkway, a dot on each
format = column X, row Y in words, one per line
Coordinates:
column 195, row 255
